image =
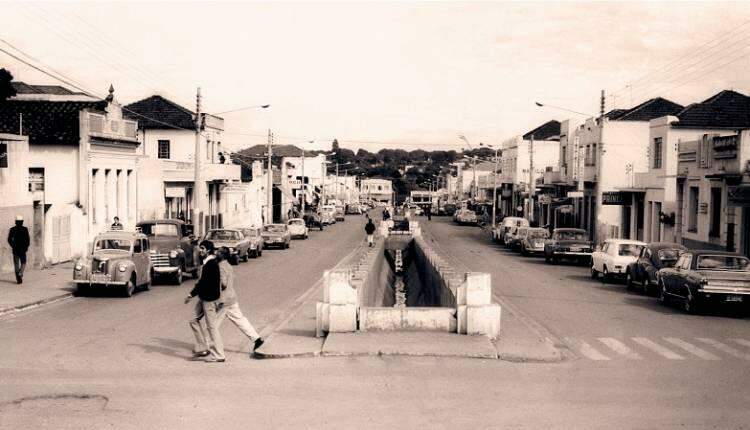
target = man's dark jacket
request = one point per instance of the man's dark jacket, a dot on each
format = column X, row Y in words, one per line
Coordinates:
column 370, row 228
column 18, row 239
column 208, row 287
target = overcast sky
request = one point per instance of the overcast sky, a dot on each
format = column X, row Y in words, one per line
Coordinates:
column 395, row 75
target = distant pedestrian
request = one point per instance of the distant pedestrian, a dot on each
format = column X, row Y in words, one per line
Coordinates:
column 386, row 214
column 19, row 241
column 230, row 308
column 208, row 290
column 116, row 225
column 370, row 230
column 428, row 212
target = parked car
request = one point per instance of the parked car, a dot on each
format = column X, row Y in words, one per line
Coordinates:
column 699, row 277
column 354, row 209
column 465, row 217
column 174, row 248
column 513, row 238
column 239, row 246
column 276, row 235
column 498, row 234
column 532, row 243
column 256, row 241
column 570, row 244
column 119, row 260
column 447, row 209
column 339, row 213
column 613, row 257
column 297, row 228
column 653, row 257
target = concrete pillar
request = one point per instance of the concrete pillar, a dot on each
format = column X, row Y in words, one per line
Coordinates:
column 122, row 196
column 132, row 197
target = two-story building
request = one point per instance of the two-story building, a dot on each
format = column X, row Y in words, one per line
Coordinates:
column 167, row 131
column 377, row 190
column 82, row 164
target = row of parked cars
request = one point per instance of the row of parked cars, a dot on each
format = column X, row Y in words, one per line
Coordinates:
column 167, row 249
column 691, row 278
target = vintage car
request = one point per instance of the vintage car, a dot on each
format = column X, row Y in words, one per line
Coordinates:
column 465, row 217
column 512, row 238
column 570, row 244
column 613, row 257
column 447, row 209
column 253, row 234
column 653, row 257
column 339, row 213
column 174, row 248
column 700, row 277
column 119, row 260
column 498, row 234
column 297, row 228
column 327, row 214
column 532, row 242
column 235, row 240
column 276, row 235
column 313, row 220
column 354, row 209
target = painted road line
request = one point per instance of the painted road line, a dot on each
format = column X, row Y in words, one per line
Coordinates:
column 586, row 350
column 620, row 348
column 692, row 349
column 655, row 347
column 743, row 342
column 724, row 348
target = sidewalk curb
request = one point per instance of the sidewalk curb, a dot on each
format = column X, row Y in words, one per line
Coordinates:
column 36, row 304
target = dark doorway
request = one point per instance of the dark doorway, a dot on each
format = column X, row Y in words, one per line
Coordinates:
column 276, row 199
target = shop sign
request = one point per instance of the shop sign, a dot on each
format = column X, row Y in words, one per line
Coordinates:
column 545, row 199
column 575, row 194
column 613, row 198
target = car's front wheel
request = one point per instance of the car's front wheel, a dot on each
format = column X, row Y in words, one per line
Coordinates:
column 129, row 287
column 178, row 276
column 691, row 304
column 629, row 281
column 594, row 272
column 605, row 275
column 663, row 297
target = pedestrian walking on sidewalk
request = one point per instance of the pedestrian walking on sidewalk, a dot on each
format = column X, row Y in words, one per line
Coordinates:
column 428, row 211
column 19, row 241
column 208, row 290
column 230, row 308
column 370, row 230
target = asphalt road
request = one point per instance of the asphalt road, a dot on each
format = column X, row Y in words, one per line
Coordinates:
column 121, row 363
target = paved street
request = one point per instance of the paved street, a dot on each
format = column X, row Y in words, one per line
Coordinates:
column 96, row 362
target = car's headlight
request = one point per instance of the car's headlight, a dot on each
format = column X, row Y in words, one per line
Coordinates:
column 173, row 254
column 122, row 267
column 78, row 266
column 231, row 249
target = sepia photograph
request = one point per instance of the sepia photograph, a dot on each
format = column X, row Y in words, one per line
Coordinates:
column 374, row 214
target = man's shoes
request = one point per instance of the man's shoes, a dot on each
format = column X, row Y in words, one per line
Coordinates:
column 200, row 354
column 214, row 360
column 18, row 279
column 258, row 343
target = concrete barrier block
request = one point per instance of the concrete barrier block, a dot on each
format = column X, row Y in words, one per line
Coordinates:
column 321, row 319
column 483, row 320
column 342, row 318
column 478, row 289
column 461, row 320
column 461, row 296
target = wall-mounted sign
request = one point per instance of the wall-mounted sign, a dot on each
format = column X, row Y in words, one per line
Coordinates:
column 613, row 198
column 545, row 199
column 575, row 194
column 703, row 207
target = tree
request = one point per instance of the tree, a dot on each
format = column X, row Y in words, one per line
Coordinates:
column 6, row 89
column 335, row 145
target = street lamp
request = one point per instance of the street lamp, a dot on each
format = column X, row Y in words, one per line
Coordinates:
column 494, row 183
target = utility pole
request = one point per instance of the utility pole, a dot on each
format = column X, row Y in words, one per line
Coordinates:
column 598, row 161
column 269, row 191
column 532, row 185
column 337, row 181
column 494, row 189
column 199, row 185
column 304, row 194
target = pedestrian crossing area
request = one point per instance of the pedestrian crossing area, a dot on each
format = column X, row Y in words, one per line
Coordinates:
column 664, row 348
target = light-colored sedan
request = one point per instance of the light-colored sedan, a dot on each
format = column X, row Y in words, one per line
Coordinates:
column 297, row 228
column 256, row 241
column 276, row 235
column 613, row 257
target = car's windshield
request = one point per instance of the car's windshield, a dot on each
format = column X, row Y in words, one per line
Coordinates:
column 223, row 235
column 669, row 255
column 169, row 230
column 296, row 222
column 630, row 249
column 521, row 232
column 274, row 228
column 112, row 244
column 571, row 235
column 723, row 262
column 250, row 233
column 537, row 234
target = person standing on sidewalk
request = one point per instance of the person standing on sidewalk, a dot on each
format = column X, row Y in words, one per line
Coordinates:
column 428, row 212
column 208, row 289
column 19, row 241
column 370, row 230
column 230, row 308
